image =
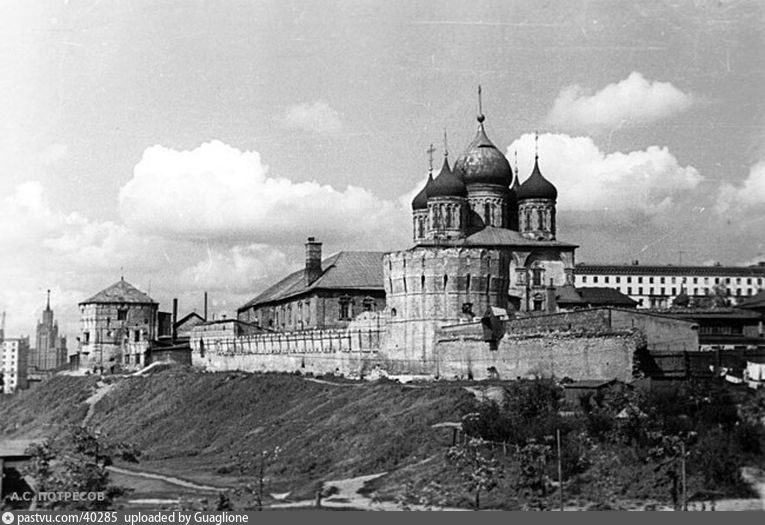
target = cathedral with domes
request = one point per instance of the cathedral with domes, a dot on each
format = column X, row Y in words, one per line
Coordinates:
column 482, row 239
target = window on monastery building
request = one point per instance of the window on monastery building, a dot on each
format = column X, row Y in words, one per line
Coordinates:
column 662, row 291
column 369, row 304
column 759, row 281
column 650, row 280
column 467, row 285
column 136, row 336
column 393, row 312
column 618, row 279
column 422, row 282
column 661, row 280
column 640, row 290
column 595, row 278
column 674, row 291
column 749, row 280
column 629, row 278
column 446, row 281
column 640, row 280
column 706, row 291
column 85, row 338
column 538, row 303
column 122, row 314
column 629, row 290
column 536, row 276
column 738, row 280
column 345, row 308
column 605, row 279
column 584, row 278
column 738, row 292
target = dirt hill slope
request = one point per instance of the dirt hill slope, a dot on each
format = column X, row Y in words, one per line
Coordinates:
column 194, row 425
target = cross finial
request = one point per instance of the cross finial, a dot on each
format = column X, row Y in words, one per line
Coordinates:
column 430, row 152
column 446, row 145
column 122, row 274
column 481, row 116
column 516, row 162
column 536, row 145
column 48, row 304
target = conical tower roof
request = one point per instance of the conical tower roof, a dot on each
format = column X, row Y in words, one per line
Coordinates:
column 120, row 292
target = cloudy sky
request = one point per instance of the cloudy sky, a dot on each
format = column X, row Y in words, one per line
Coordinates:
column 193, row 145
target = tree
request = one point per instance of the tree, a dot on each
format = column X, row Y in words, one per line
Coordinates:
column 479, row 472
column 257, row 464
column 533, row 483
column 76, row 465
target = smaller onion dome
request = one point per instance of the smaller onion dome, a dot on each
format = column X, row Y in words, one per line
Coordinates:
column 447, row 184
column 420, row 201
column 537, row 186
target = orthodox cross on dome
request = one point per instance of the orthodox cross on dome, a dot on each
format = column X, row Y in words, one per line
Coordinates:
column 47, row 306
column 536, row 145
column 516, row 162
column 446, row 145
column 430, row 152
column 481, row 116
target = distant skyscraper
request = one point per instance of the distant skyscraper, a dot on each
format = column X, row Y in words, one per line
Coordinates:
column 50, row 349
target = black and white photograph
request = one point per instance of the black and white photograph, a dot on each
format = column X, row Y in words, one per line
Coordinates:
column 368, row 255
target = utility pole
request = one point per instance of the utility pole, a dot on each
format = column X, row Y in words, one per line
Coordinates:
column 560, row 471
column 682, row 476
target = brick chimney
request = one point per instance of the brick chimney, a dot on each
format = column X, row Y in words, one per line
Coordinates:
column 552, row 304
column 312, row 260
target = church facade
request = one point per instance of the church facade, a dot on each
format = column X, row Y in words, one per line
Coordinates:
column 481, row 239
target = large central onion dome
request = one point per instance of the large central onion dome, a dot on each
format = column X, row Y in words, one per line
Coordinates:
column 537, row 186
column 482, row 162
column 447, row 184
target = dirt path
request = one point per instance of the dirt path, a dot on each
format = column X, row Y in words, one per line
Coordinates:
column 167, row 479
column 346, row 496
column 101, row 390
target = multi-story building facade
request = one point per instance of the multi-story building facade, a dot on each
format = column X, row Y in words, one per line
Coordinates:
column 324, row 294
column 13, row 364
column 116, row 326
column 660, row 286
column 49, row 352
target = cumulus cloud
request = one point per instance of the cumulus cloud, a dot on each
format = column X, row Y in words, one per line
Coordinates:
column 589, row 179
column 630, row 101
column 749, row 193
column 239, row 269
column 218, row 192
column 318, row 117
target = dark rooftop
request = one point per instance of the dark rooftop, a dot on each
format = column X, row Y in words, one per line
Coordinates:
column 605, row 297
column 668, row 269
column 341, row 271
column 120, row 292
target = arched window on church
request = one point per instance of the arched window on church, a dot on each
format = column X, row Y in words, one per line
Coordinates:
column 422, row 282
column 467, row 285
column 540, row 219
column 486, row 213
column 448, row 217
column 527, row 221
column 420, row 233
column 446, row 281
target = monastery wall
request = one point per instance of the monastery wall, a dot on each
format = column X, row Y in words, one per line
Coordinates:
column 463, row 353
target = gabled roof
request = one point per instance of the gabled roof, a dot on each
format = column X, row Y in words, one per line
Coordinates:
column 120, row 292
column 341, row 271
column 605, row 297
column 193, row 316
